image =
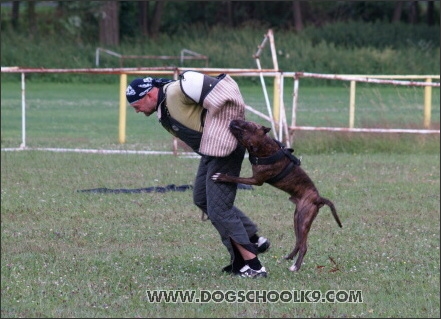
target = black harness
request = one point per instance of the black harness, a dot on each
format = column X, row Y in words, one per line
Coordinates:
column 282, row 152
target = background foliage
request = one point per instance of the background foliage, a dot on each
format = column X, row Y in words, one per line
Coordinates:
column 338, row 37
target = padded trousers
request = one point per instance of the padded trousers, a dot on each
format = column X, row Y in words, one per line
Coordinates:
column 216, row 199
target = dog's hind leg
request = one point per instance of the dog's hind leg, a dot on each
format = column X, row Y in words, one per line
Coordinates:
column 296, row 232
column 305, row 217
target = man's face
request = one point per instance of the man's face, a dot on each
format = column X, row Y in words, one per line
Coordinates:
column 147, row 104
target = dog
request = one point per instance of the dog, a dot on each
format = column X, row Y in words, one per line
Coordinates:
column 274, row 164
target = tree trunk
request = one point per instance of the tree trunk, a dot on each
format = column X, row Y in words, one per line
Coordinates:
column 297, row 14
column 143, row 16
column 32, row 20
column 15, row 14
column 157, row 16
column 413, row 12
column 230, row 14
column 59, row 11
column 397, row 11
column 430, row 12
column 109, row 23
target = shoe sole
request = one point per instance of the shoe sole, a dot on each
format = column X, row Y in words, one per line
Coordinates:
column 264, row 275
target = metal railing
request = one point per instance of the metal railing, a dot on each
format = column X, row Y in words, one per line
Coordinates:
column 184, row 55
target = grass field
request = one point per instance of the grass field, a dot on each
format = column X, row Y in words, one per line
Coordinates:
column 86, row 116
column 72, row 254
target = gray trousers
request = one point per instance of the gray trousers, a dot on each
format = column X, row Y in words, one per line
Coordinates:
column 216, row 199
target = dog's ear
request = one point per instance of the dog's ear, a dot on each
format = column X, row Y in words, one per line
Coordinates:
column 266, row 129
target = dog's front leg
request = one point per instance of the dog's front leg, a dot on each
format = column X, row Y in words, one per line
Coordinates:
column 220, row 177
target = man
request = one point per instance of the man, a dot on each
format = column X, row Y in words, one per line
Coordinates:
column 198, row 109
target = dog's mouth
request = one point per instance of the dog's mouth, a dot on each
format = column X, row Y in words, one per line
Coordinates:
column 234, row 126
column 235, row 129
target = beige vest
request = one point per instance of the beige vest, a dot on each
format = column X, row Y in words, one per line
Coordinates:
column 224, row 103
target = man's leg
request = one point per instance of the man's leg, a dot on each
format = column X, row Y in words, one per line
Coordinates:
column 205, row 188
column 222, row 213
column 200, row 200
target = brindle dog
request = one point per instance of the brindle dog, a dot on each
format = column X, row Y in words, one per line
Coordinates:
column 274, row 164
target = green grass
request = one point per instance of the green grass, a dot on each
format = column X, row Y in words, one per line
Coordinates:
column 86, row 116
column 72, row 254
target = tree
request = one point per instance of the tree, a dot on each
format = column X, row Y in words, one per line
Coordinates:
column 143, row 17
column 297, row 13
column 149, row 21
column 413, row 12
column 431, row 12
column 109, row 23
column 15, row 14
column 230, row 14
column 157, row 16
column 32, row 18
column 398, row 8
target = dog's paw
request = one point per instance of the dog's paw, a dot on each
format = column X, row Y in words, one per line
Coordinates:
column 293, row 268
column 217, row 177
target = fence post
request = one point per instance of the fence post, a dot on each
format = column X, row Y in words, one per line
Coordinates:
column 23, row 111
column 427, row 103
column 352, row 104
column 122, row 108
column 276, row 88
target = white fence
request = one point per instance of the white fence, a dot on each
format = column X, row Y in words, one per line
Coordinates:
column 378, row 79
column 185, row 54
column 282, row 130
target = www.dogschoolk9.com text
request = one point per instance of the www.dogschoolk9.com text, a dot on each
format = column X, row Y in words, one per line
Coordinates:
column 254, row 296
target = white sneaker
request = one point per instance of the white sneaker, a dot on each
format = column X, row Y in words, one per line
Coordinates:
column 248, row 272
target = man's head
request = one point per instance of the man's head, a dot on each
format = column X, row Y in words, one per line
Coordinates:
column 138, row 88
column 142, row 94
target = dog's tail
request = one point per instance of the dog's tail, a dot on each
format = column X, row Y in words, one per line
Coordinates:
column 324, row 201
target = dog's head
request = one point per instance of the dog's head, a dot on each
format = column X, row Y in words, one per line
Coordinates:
column 252, row 136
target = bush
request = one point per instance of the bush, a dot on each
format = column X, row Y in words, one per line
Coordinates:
column 401, row 49
column 379, row 35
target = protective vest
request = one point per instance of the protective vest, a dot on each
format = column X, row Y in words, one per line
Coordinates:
column 198, row 109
